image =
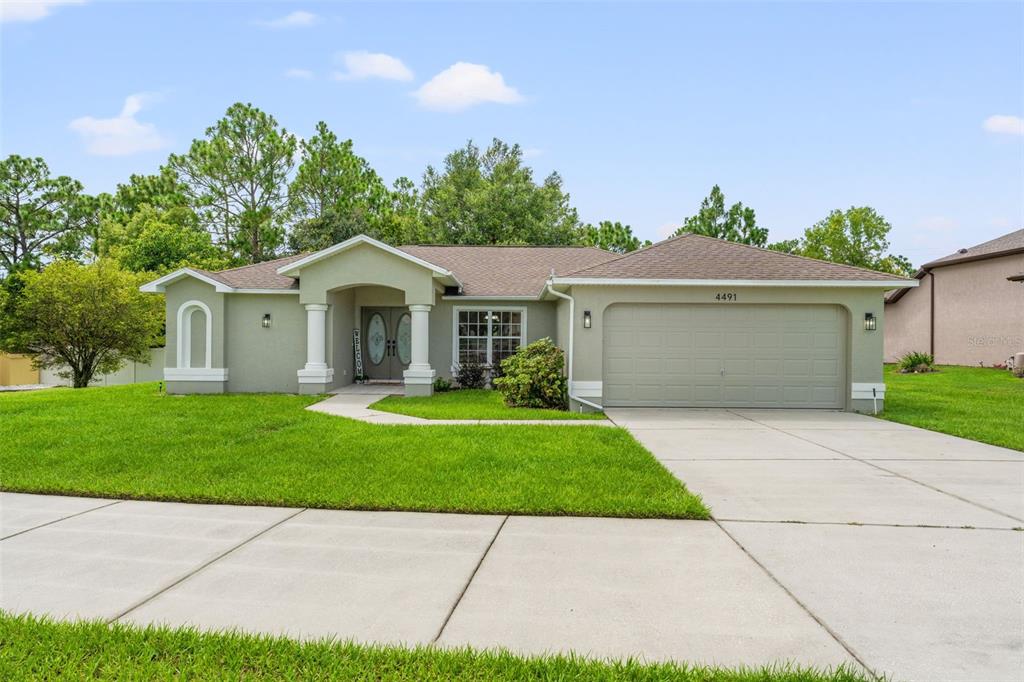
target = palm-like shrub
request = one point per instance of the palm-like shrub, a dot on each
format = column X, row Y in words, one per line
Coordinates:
column 534, row 377
column 916, row 361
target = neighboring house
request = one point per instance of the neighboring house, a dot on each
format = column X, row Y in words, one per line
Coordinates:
column 17, row 370
column 691, row 321
column 968, row 309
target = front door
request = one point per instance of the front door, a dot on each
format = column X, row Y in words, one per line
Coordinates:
column 387, row 342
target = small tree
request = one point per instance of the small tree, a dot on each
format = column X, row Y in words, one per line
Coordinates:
column 84, row 319
column 614, row 237
column 737, row 224
column 533, row 377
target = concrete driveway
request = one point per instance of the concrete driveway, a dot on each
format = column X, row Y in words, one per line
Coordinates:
column 900, row 541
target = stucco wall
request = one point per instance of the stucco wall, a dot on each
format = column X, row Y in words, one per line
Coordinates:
column 906, row 322
column 181, row 292
column 540, row 323
column 340, row 355
column 131, row 373
column 366, row 265
column 265, row 360
column 863, row 348
column 979, row 314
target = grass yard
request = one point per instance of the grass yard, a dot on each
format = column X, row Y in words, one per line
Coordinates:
column 134, row 442
column 32, row 648
column 982, row 404
column 471, row 404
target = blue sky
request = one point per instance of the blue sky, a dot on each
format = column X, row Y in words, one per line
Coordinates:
column 794, row 109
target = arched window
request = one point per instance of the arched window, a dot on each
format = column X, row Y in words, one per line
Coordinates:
column 185, row 329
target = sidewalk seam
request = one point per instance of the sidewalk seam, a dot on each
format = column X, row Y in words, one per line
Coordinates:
column 469, row 582
column 153, row 595
column 835, row 635
column 63, row 518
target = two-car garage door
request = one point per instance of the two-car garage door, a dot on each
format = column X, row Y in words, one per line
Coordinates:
column 729, row 355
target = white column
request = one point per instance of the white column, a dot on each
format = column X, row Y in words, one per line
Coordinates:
column 419, row 378
column 316, row 370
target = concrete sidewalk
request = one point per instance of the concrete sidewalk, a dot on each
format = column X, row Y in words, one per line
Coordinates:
column 602, row 587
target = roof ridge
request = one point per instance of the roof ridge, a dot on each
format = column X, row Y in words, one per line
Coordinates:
column 798, row 256
column 507, row 246
column 629, row 253
column 965, row 252
column 264, row 262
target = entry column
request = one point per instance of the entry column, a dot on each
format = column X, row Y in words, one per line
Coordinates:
column 316, row 376
column 419, row 378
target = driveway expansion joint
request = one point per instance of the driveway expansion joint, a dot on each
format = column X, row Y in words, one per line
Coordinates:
column 63, row 518
column 206, row 564
column 835, row 635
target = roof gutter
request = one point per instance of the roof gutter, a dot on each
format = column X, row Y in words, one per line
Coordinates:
column 572, row 325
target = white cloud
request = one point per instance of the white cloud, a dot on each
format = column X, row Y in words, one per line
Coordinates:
column 1003, row 124
column 301, row 74
column 666, row 230
column 362, row 64
column 296, row 19
column 121, row 135
column 532, row 152
column 463, row 85
column 31, row 10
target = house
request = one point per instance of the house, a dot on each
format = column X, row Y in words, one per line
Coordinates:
column 690, row 321
column 968, row 309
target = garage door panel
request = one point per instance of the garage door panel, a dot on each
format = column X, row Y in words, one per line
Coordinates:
column 772, row 355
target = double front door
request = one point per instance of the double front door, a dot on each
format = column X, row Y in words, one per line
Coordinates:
column 387, row 342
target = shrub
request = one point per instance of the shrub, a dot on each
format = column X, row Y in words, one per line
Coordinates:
column 533, row 377
column 915, row 361
column 442, row 385
column 471, row 375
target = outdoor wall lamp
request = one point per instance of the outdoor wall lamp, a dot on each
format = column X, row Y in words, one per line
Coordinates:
column 586, row 319
column 870, row 322
column 266, row 320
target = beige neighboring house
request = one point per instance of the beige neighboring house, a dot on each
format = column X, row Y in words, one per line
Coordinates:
column 688, row 322
column 968, row 309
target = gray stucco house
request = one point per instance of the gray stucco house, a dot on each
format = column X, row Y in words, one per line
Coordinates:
column 688, row 322
column 968, row 309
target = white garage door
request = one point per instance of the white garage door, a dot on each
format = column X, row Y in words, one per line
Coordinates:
column 680, row 355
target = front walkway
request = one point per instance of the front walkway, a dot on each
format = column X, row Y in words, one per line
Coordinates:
column 353, row 402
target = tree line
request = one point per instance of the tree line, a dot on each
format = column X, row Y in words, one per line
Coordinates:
column 250, row 191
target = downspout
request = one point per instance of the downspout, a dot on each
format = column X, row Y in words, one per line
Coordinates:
column 572, row 325
column 931, row 314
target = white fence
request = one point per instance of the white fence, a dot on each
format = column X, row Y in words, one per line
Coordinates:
column 131, row 373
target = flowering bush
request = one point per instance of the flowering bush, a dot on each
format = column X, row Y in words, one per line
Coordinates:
column 533, row 377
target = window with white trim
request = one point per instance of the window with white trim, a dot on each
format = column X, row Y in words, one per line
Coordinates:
column 488, row 336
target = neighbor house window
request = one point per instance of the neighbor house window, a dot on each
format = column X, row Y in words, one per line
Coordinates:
column 487, row 337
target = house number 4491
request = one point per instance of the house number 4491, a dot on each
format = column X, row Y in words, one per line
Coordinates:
column 726, row 297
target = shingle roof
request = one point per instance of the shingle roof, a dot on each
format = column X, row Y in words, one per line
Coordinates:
column 691, row 256
column 1008, row 243
column 508, row 270
column 259, row 276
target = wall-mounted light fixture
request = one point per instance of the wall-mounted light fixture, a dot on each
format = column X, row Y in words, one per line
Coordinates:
column 870, row 322
column 266, row 320
column 586, row 319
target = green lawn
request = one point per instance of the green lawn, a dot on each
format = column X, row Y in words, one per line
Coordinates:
column 135, row 442
column 471, row 404
column 979, row 403
column 32, row 648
